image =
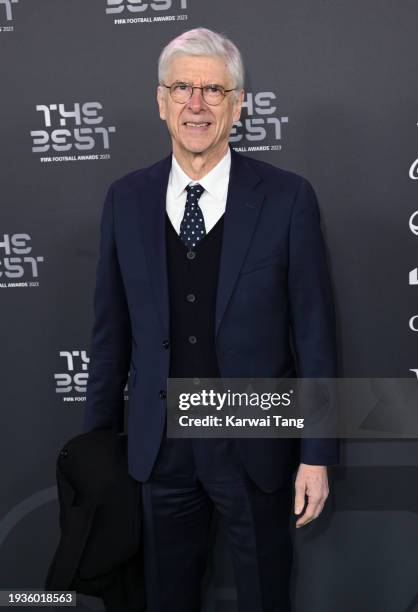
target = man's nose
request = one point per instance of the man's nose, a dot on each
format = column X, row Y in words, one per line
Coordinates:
column 196, row 101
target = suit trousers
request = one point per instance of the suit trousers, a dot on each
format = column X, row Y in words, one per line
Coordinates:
column 190, row 479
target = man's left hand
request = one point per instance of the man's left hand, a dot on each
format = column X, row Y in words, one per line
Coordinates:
column 312, row 481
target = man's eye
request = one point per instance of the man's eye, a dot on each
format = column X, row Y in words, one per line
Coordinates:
column 181, row 86
column 213, row 89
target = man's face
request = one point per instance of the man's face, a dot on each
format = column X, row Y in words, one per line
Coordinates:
column 215, row 122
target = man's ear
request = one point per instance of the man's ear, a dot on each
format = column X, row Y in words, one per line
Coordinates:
column 161, row 102
column 238, row 105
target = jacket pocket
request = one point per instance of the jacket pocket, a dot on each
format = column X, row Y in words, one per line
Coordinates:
column 260, row 264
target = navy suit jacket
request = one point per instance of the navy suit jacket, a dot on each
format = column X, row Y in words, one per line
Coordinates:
column 273, row 283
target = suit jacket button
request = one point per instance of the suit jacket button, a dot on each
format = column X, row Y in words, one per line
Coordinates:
column 166, row 344
column 191, row 297
column 190, row 255
column 163, row 394
column 192, row 339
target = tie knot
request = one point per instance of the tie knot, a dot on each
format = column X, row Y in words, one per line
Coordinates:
column 194, row 192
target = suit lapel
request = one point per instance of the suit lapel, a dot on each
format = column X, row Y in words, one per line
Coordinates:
column 243, row 207
column 152, row 201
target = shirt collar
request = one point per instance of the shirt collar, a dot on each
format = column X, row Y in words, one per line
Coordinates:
column 214, row 181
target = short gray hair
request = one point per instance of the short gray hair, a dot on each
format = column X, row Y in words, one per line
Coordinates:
column 201, row 41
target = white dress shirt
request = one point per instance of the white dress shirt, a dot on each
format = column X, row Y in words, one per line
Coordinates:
column 212, row 201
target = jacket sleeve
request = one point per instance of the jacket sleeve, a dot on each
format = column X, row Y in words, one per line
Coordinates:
column 311, row 310
column 110, row 349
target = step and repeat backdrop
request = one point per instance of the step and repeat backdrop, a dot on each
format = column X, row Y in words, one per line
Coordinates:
column 331, row 93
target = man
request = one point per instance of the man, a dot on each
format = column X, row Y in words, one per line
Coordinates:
column 208, row 259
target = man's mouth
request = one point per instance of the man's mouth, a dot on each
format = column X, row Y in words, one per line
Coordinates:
column 197, row 124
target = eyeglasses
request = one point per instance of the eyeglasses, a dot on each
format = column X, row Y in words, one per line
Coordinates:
column 182, row 92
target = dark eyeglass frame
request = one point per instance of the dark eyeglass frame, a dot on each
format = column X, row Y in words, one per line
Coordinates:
column 202, row 88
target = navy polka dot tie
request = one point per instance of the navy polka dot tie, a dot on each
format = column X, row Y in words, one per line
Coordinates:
column 192, row 227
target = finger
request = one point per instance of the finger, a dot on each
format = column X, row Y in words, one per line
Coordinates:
column 299, row 498
column 313, row 510
column 307, row 516
column 312, row 514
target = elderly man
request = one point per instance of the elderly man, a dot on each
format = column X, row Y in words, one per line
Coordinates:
column 209, row 261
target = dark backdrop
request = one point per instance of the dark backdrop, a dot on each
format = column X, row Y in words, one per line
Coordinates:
column 331, row 94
